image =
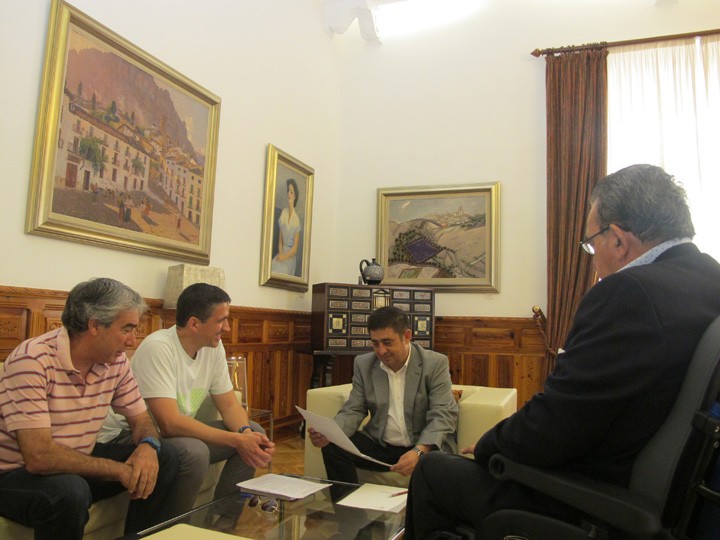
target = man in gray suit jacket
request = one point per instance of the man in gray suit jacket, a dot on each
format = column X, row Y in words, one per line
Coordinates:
column 407, row 391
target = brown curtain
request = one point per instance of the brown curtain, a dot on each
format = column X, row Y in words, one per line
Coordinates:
column 576, row 89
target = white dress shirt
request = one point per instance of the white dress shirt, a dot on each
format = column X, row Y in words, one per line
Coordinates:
column 396, row 433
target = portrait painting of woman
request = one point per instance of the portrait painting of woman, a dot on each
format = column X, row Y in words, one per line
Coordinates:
column 286, row 222
column 288, row 229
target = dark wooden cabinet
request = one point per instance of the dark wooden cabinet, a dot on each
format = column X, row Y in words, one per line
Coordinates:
column 340, row 312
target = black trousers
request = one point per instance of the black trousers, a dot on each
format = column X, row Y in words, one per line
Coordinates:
column 341, row 465
column 449, row 490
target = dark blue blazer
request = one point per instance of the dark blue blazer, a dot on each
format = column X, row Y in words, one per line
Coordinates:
column 625, row 358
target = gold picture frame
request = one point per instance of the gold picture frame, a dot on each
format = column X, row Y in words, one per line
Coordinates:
column 285, row 256
column 125, row 146
column 441, row 237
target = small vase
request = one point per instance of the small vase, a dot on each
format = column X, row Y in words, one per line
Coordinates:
column 371, row 272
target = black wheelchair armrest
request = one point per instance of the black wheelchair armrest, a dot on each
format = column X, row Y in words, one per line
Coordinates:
column 611, row 504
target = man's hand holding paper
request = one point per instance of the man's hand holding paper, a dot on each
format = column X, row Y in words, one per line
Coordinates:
column 325, row 430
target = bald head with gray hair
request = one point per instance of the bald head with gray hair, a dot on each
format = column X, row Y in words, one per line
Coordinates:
column 101, row 299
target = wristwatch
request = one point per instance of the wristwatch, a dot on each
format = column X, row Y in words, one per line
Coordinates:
column 152, row 441
column 419, row 452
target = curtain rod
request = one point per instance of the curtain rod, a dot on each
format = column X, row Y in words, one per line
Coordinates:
column 589, row 46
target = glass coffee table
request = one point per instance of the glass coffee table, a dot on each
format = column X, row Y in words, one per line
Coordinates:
column 314, row 517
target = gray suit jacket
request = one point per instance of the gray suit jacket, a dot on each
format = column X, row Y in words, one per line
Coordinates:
column 430, row 409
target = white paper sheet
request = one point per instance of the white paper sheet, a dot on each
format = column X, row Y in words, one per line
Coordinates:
column 377, row 497
column 333, row 433
column 281, row 487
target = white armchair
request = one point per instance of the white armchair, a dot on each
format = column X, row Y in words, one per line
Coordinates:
column 480, row 408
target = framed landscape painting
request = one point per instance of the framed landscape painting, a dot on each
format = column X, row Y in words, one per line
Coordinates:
column 125, row 146
column 441, row 237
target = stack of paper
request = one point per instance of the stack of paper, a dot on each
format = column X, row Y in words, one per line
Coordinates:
column 377, row 497
column 281, row 487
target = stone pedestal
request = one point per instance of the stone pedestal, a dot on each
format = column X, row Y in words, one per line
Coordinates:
column 182, row 275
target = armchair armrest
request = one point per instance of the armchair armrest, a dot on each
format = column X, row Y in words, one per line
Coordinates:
column 611, row 504
column 479, row 409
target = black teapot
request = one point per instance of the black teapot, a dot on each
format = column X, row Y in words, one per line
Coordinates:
column 371, row 272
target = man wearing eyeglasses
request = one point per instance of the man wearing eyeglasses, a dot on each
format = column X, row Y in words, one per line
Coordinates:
column 623, row 363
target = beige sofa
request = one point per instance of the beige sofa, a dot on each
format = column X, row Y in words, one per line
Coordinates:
column 107, row 517
column 480, row 408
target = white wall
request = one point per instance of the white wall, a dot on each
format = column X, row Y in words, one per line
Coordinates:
column 466, row 104
column 274, row 69
column 463, row 104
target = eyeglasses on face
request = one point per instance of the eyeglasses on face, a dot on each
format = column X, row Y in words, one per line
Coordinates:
column 267, row 505
column 586, row 242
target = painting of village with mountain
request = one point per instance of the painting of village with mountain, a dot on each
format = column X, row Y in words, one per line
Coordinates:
column 133, row 146
column 444, row 237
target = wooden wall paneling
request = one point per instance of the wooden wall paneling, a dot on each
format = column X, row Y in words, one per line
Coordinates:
column 281, row 389
column 455, row 359
column 166, row 318
column 492, row 337
column 532, row 378
column 450, row 336
column 531, row 340
column 476, row 370
column 302, row 331
column 277, row 331
column 249, row 331
column 14, row 327
column 342, row 370
column 506, row 369
column 304, row 362
column 268, row 338
column 498, row 352
column 487, row 351
column 50, row 320
column 259, row 395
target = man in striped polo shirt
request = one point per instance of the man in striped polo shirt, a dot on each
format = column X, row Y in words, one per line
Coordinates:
column 55, row 392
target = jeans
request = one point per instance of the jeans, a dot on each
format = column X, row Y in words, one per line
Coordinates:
column 195, row 457
column 56, row 505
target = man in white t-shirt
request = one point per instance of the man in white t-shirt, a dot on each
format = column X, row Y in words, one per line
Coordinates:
column 176, row 368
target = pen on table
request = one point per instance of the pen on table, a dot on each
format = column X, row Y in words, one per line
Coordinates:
column 398, row 493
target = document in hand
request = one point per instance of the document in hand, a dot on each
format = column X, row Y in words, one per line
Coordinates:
column 377, row 497
column 333, row 433
column 281, row 487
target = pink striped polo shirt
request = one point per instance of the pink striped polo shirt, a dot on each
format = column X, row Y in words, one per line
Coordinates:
column 40, row 388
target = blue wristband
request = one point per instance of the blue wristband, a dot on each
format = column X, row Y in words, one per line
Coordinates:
column 242, row 429
column 152, row 441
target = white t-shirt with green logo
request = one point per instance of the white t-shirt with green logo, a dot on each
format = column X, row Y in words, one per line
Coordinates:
column 163, row 369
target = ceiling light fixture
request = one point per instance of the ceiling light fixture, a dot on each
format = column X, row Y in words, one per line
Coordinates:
column 340, row 14
column 396, row 17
